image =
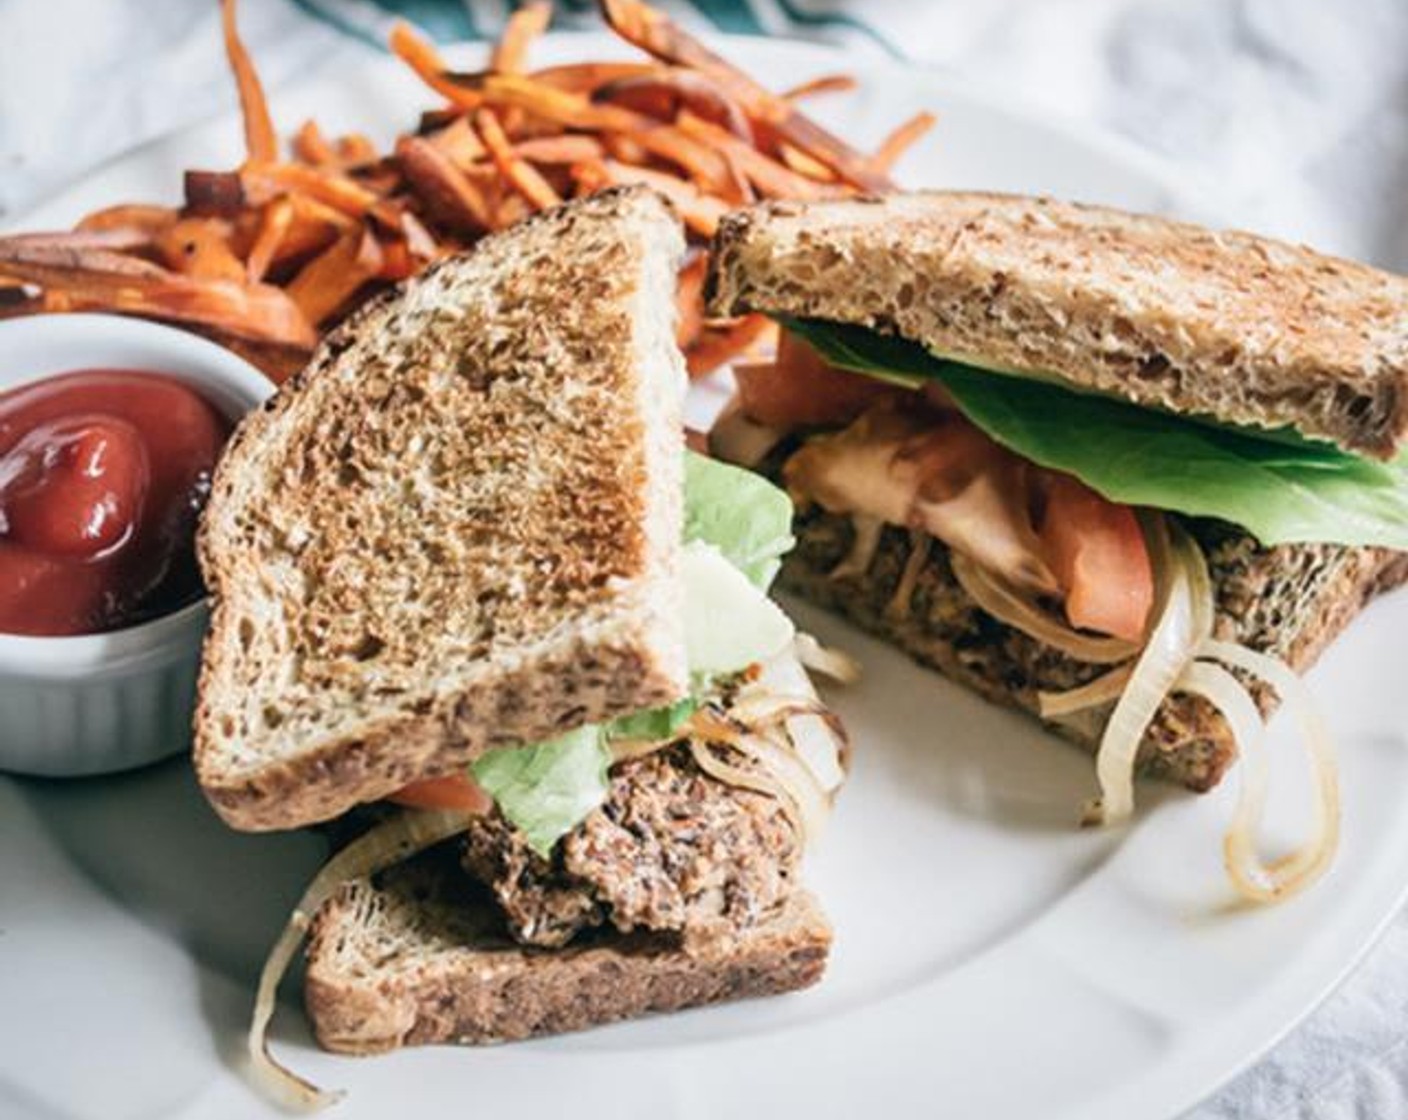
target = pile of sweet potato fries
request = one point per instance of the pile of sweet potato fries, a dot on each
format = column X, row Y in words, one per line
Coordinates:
column 266, row 258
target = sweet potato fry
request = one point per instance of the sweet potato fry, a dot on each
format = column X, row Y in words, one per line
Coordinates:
column 261, row 142
column 149, row 220
column 327, row 186
column 590, row 176
column 569, row 148
column 657, row 35
column 258, row 313
column 274, row 224
column 419, row 242
column 663, row 93
column 574, row 111
column 901, row 140
column 309, row 209
column 525, row 25
column 689, row 300
column 703, row 164
column 52, row 258
column 355, row 149
column 827, row 83
column 200, row 248
column 117, row 240
column 701, row 212
column 213, row 194
column 97, row 279
column 330, row 279
column 311, row 146
column 803, row 164
column 772, row 179
column 421, row 57
column 381, row 176
column 640, row 95
column 314, row 227
column 587, row 77
column 625, row 147
column 523, row 175
column 277, row 360
column 459, row 142
column 510, row 208
column 744, row 185
column 263, row 257
column 562, row 107
column 717, row 346
column 450, row 197
column 396, row 262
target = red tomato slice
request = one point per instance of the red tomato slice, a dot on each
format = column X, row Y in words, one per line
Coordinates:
column 456, row 792
column 799, row 390
column 1098, row 553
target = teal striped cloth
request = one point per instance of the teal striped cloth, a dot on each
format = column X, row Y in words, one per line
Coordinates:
column 456, row 20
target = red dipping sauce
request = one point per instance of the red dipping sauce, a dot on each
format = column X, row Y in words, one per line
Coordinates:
column 103, row 474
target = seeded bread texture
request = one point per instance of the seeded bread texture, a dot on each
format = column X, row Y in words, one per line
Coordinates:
column 458, row 528
column 419, row 958
column 1165, row 314
column 1290, row 601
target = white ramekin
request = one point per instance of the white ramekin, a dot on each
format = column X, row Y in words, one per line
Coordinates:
column 98, row 703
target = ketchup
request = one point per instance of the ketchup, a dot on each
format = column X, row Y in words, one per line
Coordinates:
column 103, row 474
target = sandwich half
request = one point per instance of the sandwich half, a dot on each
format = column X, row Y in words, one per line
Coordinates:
column 457, row 528
column 1110, row 469
column 470, row 586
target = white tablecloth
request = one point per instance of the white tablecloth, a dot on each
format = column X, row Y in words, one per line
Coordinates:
column 1291, row 115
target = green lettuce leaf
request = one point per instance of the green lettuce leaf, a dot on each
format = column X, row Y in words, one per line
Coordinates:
column 547, row 789
column 737, row 528
column 740, row 513
column 657, row 724
column 1280, row 487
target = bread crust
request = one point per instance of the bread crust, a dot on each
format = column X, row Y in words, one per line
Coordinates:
column 506, row 709
column 1162, row 313
column 420, row 959
column 1291, row 601
column 457, row 528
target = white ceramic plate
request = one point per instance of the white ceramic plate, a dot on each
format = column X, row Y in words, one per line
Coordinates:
column 991, row 960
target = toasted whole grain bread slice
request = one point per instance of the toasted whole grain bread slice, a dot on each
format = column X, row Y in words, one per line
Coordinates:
column 457, row 528
column 421, row 958
column 1291, row 601
column 1233, row 326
